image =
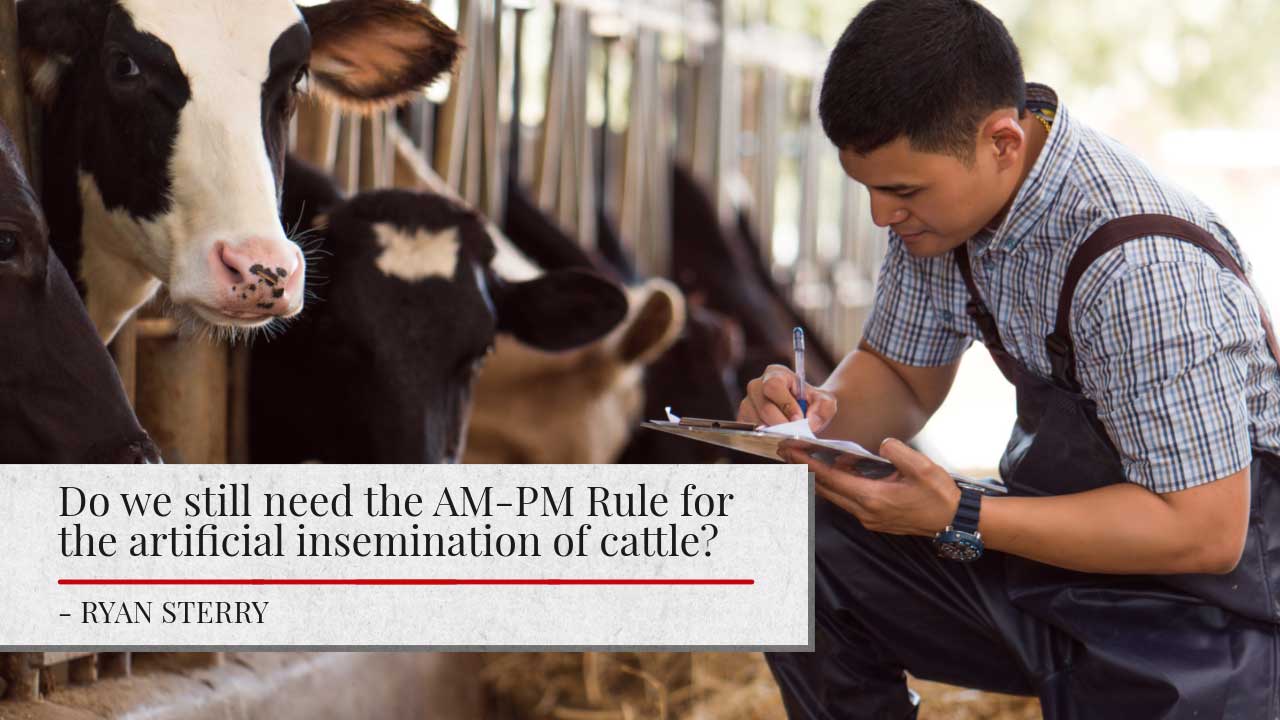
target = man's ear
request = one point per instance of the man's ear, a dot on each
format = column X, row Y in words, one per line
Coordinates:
column 1006, row 136
column 367, row 54
column 51, row 33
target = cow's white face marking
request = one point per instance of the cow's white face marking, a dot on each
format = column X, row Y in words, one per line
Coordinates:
column 46, row 75
column 223, row 185
column 117, row 285
column 508, row 262
column 417, row 256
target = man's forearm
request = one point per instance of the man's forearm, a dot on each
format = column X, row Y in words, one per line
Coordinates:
column 1121, row 529
column 876, row 402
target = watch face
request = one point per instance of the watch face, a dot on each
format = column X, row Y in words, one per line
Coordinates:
column 959, row 546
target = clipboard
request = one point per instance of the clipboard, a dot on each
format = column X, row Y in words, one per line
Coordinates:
column 763, row 442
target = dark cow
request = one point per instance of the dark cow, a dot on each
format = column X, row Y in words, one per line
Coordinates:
column 165, row 133
column 381, row 368
column 698, row 375
column 724, row 267
column 61, row 400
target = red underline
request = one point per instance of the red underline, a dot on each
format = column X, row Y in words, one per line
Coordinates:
column 407, row 581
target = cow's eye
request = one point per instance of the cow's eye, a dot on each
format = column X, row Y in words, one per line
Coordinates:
column 125, row 68
column 8, row 244
column 300, row 80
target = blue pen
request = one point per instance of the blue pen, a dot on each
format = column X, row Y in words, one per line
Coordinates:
column 797, row 344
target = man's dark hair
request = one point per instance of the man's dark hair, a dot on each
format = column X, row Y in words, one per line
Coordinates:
column 927, row 69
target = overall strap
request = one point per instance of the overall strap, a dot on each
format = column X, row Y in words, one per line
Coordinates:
column 1110, row 236
column 977, row 309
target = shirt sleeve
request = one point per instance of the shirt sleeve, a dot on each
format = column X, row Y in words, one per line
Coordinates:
column 1164, row 350
column 904, row 325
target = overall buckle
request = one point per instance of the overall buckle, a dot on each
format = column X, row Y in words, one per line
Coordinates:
column 1062, row 360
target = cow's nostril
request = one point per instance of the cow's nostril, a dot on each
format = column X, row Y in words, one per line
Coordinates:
column 228, row 260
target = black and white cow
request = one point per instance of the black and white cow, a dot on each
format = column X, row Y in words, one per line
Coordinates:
column 60, row 397
column 380, row 369
column 165, row 130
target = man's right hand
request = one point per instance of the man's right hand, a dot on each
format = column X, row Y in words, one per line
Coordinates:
column 771, row 400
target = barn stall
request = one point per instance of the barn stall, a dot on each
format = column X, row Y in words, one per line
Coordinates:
column 589, row 110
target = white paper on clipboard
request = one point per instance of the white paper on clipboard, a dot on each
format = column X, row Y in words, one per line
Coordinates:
column 763, row 442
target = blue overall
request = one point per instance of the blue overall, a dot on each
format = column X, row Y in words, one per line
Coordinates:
column 1088, row 645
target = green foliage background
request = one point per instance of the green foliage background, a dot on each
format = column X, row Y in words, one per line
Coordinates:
column 1195, row 62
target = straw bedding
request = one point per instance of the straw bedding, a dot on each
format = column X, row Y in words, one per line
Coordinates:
column 697, row 686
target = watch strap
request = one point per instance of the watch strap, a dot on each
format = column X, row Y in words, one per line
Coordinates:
column 966, row 519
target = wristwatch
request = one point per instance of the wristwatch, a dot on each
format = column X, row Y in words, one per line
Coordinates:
column 961, row 540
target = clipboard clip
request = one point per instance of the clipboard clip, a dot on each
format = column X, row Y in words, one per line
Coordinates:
column 706, row 423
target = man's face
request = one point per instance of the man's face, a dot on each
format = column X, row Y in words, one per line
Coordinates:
column 935, row 202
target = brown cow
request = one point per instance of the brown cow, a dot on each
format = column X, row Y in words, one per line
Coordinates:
column 61, row 400
column 576, row 407
column 580, row 406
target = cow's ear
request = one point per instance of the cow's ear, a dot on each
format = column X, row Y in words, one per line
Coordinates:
column 51, row 33
column 367, row 54
column 560, row 310
column 656, row 323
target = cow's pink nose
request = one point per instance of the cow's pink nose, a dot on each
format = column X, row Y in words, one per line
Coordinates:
column 257, row 278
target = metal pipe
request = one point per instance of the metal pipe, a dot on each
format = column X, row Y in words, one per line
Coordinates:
column 602, row 178
column 517, row 89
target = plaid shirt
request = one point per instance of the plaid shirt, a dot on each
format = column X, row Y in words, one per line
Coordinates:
column 1169, row 345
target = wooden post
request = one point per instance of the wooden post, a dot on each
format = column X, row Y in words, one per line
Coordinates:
column 451, row 131
column 185, row 661
column 346, row 169
column 317, row 137
column 21, row 676
column 644, row 205
column 372, row 173
column 83, row 671
column 546, row 158
column 13, row 106
column 125, row 351
column 238, row 406
column 810, row 280
column 182, row 392
column 771, row 103
column 564, row 170
column 493, row 167
column 182, row 399
column 114, row 665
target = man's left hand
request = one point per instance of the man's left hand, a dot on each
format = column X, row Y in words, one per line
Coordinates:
column 919, row 499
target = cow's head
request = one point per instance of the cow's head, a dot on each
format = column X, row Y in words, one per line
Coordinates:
column 60, row 397
column 167, row 122
column 582, row 406
column 381, row 368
